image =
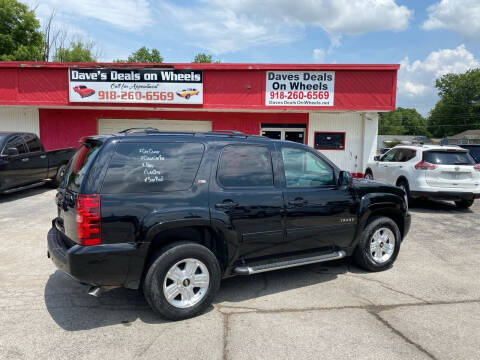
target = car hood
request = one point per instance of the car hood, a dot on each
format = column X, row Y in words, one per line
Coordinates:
column 364, row 186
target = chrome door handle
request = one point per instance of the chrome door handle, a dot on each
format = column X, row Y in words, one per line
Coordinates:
column 227, row 204
column 25, row 159
column 43, row 156
column 297, row 202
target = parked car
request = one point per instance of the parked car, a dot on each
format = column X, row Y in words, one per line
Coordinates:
column 474, row 150
column 24, row 163
column 83, row 91
column 429, row 171
column 187, row 93
column 173, row 213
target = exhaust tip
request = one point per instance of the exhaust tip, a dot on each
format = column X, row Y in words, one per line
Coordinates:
column 95, row 291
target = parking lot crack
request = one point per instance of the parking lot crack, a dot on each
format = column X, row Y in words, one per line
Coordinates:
column 382, row 284
column 401, row 335
column 225, row 335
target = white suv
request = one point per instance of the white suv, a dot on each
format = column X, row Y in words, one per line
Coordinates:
column 441, row 172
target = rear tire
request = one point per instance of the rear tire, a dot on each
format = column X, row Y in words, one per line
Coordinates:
column 368, row 175
column 464, row 204
column 374, row 251
column 166, row 276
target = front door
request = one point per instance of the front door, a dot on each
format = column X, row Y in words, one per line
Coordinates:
column 319, row 214
column 244, row 197
column 14, row 169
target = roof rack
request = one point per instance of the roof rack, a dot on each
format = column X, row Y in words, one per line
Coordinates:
column 148, row 129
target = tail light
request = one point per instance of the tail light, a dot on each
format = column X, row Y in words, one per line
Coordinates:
column 423, row 165
column 88, row 220
column 477, row 167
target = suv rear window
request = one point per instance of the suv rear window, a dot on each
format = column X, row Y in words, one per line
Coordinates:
column 152, row 167
column 79, row 165
column 448, row 158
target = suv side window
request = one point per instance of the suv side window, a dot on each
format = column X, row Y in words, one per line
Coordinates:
column 389, row 156
column 152, row 167
column 16, row 142
column 304, row 169
column 403, row 155
column 243, row 166
column 33, row 143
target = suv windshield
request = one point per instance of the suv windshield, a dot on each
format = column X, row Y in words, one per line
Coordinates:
column 79, row 165
column 448, row 158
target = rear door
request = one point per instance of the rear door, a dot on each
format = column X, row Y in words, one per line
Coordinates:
column 319, row 214
column 14, row 169
column 245, row 198
column 454, row 169
column 38, row 161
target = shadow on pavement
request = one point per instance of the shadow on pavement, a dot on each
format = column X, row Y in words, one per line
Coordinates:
column 436, row 206
column 73, row 309
column 5, row 198
column 242, row 288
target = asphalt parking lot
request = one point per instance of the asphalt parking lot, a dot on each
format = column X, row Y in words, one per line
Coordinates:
column 426, row 307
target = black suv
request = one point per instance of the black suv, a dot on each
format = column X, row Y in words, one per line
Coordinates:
column 173, row 213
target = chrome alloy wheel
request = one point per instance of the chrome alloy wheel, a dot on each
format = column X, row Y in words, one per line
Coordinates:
column 186, row 283
column 368, row 176
column 382, row 245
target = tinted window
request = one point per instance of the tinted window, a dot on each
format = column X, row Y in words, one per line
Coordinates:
column 153, row 167
column 403, row 155
column 33, row 143
column 448, row 158
column 329, row 140
column 79, row 165
column 245, row 166
column 304, row 169
column 17, row 143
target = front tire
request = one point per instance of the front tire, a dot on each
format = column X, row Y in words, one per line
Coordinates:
column 182, row 280
column 464, row 204
column 403, row 184
column 59, row 176
column 379, row 244
column 368, row 175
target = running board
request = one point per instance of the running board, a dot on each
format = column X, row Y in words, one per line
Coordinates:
column 255, row 269
column 24, row 187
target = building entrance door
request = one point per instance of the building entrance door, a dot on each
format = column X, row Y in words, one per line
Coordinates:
column 296, row 134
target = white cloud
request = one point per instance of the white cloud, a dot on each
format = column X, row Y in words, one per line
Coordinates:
column 224, row 26
column 461, row 16
column 416, row 79
column 131, row 15
column 318, row 55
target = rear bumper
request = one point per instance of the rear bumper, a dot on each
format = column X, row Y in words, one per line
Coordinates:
column 446, row 195
column 105, row 265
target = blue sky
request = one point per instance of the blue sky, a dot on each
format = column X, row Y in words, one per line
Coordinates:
column 428, row 38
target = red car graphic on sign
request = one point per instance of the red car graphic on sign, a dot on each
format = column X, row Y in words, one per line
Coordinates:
column 83, row 91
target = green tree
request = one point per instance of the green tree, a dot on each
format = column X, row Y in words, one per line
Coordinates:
column 143, row 55
column 20, row 35
column 402, row 121
column 78, row 52
column 204, row 58
column 459, row 106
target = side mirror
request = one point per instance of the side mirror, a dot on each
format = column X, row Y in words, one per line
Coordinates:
column 345, row 178
column 12, row 152
column 376, row 158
